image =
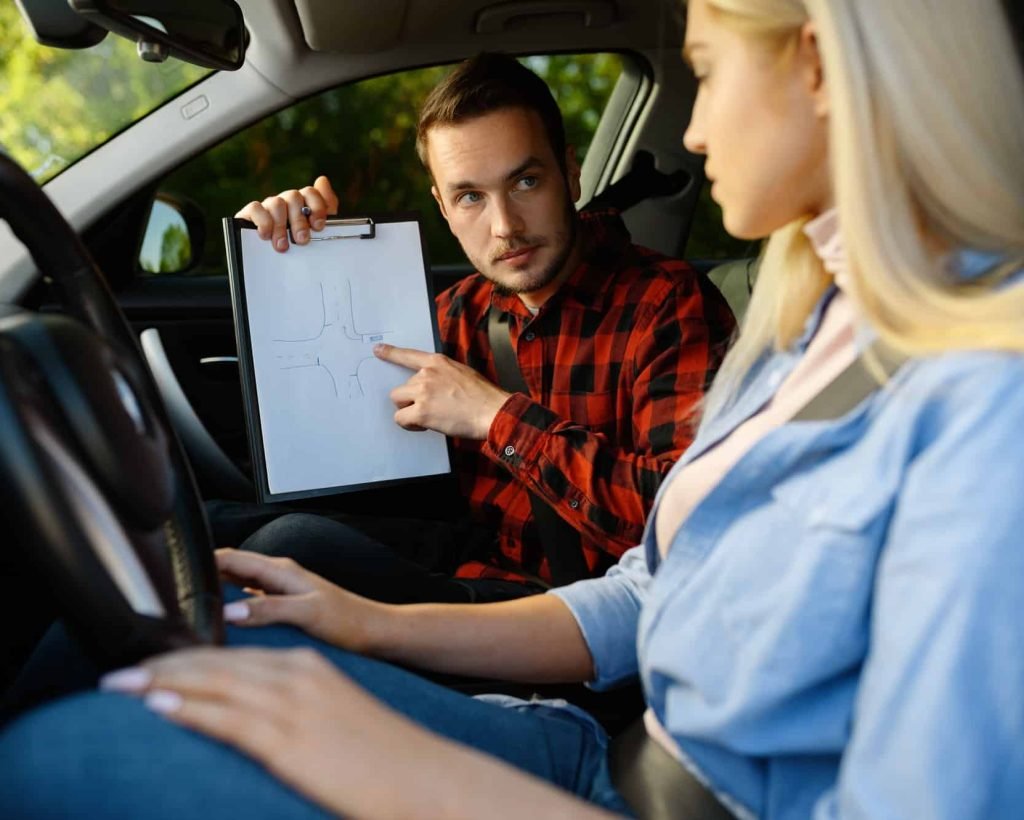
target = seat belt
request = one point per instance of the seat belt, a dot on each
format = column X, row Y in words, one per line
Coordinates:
column 650, row 779
column 559, row 539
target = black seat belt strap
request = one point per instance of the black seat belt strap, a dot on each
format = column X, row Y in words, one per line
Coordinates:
column 853, row 384
column 559, row 539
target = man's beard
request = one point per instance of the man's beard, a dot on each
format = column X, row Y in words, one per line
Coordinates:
column 541, row 278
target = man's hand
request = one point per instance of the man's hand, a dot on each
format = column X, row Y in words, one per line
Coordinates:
column 274, row 214
column 443, row 395
column 296, row 596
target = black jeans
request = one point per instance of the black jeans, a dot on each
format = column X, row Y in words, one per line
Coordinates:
column 395, row 560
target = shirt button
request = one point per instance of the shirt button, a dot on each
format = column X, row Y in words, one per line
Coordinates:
column 529, row 336
column 574, row 503
column 510, row 451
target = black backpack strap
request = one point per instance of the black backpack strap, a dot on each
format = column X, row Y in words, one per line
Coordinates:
column 560, row 540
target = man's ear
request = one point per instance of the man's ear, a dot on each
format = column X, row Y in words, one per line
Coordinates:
column 440, row 203
column 572, row 172
column 814, row 70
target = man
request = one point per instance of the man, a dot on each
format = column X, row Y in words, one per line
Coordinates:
column 615, row 344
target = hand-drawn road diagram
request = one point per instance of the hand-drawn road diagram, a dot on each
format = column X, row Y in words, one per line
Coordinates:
column 320, row 401
column 336, row 348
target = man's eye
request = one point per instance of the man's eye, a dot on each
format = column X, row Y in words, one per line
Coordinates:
column 526, row 183
column 468, row 198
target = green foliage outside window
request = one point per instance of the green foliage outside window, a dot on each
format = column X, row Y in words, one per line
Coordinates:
column 175, row 249
column 363, row 137
column 57, row 104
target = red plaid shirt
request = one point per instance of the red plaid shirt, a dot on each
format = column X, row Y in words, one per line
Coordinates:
column 615, row 361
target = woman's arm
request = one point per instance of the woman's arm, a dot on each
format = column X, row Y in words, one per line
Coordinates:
column 533, row 639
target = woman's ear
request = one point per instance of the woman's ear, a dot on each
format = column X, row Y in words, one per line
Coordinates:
column 814, row 69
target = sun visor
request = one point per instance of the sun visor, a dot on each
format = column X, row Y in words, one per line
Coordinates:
column 352, row 26
column 361, row 27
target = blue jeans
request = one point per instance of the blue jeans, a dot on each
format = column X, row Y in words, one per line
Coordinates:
column 97, row 754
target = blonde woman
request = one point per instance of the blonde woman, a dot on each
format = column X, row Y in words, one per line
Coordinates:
column 824, row 613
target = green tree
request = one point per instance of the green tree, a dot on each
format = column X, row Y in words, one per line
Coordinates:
column 175, row 249
column 58, row 104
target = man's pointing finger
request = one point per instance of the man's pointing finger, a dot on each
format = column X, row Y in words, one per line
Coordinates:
column 405, row 356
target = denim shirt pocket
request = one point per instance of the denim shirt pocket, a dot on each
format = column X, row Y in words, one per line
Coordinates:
column 809, row 614
column 831, row 498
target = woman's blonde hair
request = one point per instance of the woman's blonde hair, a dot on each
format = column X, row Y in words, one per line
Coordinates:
column 926, row 108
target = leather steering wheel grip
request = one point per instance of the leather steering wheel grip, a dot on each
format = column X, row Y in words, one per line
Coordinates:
column 113, row 421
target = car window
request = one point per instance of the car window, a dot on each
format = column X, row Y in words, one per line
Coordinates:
column 57, row 105
column 708, row 238
column 362, row 135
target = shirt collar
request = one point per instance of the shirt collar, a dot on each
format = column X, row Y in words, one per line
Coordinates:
column 827, row 241
column 970, row 264
column 814, row 320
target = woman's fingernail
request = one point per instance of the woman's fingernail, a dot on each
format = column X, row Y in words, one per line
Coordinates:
column 301, row 236
column 319, row 224
column 282, row 244
column 163, row 702
column 130, row 679
column 236, row 611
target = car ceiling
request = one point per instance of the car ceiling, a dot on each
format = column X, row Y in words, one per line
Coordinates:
column 355, row 26
column 297, row 43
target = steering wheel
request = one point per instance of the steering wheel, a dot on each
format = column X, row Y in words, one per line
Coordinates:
column 96, row 486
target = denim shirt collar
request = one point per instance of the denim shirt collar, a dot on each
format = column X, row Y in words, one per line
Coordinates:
column 962, row 264
column 772, row 368
column 970, row 264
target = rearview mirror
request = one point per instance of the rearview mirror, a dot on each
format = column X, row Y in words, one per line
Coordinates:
column 55, row 23
column 208, row 33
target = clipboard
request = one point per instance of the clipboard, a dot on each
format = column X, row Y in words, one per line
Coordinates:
column 317, row 406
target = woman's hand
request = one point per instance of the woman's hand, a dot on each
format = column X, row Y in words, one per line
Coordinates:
column 296, row 596
column 326, row 737
column 291, row 710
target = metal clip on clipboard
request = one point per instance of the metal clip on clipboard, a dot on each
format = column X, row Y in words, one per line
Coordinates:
column 368, row 226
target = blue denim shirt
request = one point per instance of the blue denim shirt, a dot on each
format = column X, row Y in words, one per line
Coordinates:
column 836, row 630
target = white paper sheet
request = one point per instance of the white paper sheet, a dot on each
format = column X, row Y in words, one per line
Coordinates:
column 314, row 315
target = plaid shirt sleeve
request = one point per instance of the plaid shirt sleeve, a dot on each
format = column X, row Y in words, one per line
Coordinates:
column 605, row 491
column 615, row 365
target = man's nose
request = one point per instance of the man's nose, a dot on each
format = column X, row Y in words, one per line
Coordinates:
column 506, row 221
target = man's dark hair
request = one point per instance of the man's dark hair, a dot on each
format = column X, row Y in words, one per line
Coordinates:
column 485, row 83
